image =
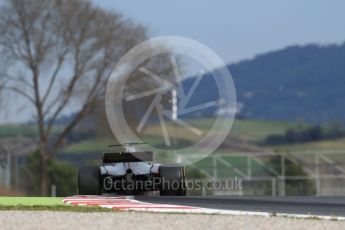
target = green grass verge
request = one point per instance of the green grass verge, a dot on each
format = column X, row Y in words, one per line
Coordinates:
column 57, row 208
column 28, row 201
column 44, row 204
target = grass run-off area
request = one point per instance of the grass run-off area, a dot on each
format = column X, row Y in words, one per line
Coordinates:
column 44, row 203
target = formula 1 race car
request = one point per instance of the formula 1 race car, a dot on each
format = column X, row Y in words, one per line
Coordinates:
column 131, row 172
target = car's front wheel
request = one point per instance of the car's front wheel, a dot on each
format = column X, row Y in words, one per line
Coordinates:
column 172, row 179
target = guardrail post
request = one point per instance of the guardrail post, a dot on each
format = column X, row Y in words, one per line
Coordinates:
column 203, row 190
column 317, row 173
column 249, row 167
column 282, row 164
column 53, row 190
column 274, row 186
column 214, row 166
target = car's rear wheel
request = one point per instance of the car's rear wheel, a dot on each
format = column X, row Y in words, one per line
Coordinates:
column 89, row 180
column 172, row 180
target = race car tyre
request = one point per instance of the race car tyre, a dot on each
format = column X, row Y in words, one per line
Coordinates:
column 172, row 181
column 89, row 180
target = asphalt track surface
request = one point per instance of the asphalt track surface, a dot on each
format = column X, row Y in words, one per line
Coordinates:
column 312, row 205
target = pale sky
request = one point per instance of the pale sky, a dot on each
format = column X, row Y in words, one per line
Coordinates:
column 237, row 30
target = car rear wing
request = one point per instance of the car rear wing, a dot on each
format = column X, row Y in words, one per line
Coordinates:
column 127, row 157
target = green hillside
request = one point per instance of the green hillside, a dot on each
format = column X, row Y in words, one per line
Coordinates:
column 295, row 83
column 326, row 145
column 248, row 130
column 257, row 130
column 12, row 130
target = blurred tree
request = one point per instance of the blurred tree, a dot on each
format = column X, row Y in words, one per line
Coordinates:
column 335, row 130
column 60, row 54
column 305, row 134
column 61, row 174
